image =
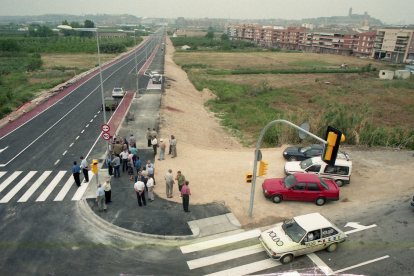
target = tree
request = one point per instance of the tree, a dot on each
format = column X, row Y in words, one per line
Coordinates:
column 210, row 35
column 88, row 24
column 224, row 37
column 9, row 45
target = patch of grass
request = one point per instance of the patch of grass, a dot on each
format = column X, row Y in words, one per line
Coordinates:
column 290, row 71
column 311, row 64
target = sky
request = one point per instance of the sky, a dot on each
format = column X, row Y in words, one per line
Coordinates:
column 399, row 11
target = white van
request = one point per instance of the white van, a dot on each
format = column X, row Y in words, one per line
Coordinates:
column 340, row 172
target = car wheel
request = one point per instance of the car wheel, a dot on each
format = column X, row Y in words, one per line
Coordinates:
column 277, row 198
column 320, row 201
column 286, row 259
column 293, row 158
column 332, row 247
column 340, row 183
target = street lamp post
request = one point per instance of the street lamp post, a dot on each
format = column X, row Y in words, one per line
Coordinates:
column 66, row 27
column 136, row 64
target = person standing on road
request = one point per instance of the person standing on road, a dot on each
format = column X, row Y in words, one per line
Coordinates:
column 116, row 162
column 76, row 172
column 162, row 150
column 154, row 143
column 107, row 190
column 170, row 147
column 117, row 148
column 150, row 168
column 180, row 180
column 138, row 164
column 134, row 151
column 169, row 183
column 173, row 146
column 153, row 133
column 111, row 144
column 100, row 197
column 130, row 169
column 132, row 141
column 185, row 193
column 149, row 137
column 139, row 188
column 139, row 177
column 124, row 157
column 109, row 163
column 85, row 169
column 150, row 186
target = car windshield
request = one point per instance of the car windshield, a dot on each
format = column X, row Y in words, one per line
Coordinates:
column 324, row 185
column 304, row 149
column 289, row 181
column 293, row 230
column 117, row 89
column 306, row 163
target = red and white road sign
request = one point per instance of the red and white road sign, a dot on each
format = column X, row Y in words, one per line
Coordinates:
column 106, row 136
column 105, row 128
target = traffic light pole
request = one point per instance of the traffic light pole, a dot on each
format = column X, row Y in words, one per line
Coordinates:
column 256, row 157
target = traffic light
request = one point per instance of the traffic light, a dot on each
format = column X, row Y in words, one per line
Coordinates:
column 334, row 137
column 249, row 177
column 94, row 166
column 263, row 168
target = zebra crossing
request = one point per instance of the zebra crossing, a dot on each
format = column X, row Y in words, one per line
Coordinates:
column 213, row 261
column 22, row 186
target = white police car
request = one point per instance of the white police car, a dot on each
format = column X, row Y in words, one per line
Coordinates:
column 301, row 235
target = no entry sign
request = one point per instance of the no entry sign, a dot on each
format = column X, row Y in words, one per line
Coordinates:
column 105, row 128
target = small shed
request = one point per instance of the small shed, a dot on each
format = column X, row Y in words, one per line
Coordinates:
column 185, row 47
column 386, row 75
column 402, row 74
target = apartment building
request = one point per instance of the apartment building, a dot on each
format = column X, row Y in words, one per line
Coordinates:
column 394, row 43
column 364, row 44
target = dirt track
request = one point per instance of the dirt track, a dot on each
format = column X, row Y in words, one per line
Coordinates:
column 216, row 163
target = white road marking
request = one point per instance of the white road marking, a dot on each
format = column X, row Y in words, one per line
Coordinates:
column 230, row 255
column 64, row 152
column 361, row 264
column 9, row 180
column 220, row 241
column 91, row 120
column 71, row 145
column 1, row 150
column 16, row 188
column 99, row 112
column 248, row 268
column 57, row 162
column 61, row 195
column 95, row 115
column 81, row 190
column 321, row 264
column 358, row 227
column 51, row 186
column 83, row 131
column 77, row 138
column 2, row 173
column 34, row 187
column 87, row 125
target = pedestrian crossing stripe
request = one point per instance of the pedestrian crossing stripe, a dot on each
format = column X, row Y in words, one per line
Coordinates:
column 36, row 185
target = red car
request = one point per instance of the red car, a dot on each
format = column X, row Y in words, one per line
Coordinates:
column 301, row 186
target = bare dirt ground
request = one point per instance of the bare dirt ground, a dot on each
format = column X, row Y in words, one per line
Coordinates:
column 216, row 163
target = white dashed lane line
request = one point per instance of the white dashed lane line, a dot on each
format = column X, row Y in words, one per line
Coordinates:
column 91, row 120
column 82, row 131
column 57, row 161
column 87, row 125
column 95, row 116
column 71, row 145
column 64, row 152
column 77, row 138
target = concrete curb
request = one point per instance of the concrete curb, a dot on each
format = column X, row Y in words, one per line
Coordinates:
column 90, row 216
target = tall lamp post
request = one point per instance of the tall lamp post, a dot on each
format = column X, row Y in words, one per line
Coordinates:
column 136, row 64
column 66, row 27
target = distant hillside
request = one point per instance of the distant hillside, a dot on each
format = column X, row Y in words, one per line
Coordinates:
column 58, row 18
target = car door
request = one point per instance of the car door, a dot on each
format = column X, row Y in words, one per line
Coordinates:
column 329, row 236
column 313, row 241
column 313, row 191
column 315, row 169
column 297, row 192
column 313, row 153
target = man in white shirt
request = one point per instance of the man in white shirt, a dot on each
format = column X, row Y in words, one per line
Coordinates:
column 139, row 187
column 100, row 197
column 84, row 167
column 154, row 144
column 124, row 158
column 150, row 186
column 150, row 168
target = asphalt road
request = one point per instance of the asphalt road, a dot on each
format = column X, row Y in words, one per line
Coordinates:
column 52, row 238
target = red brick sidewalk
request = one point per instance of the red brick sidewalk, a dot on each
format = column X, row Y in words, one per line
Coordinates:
column 120, row 113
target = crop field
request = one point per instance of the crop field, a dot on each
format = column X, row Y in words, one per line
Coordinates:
column 368, row 110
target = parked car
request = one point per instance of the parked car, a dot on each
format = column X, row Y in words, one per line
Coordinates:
column 301, row 235
column 118, row 92
column 156, row 79
column 152, row 73
column 301, row 186
column 340, row 172
column 110, row 103
column 302, row 153
column 386, row 59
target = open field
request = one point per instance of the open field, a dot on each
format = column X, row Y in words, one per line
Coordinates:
column 370, row 111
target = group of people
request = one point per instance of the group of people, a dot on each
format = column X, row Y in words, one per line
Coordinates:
column 153, row 142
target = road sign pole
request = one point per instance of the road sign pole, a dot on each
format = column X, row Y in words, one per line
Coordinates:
column 257, row 155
